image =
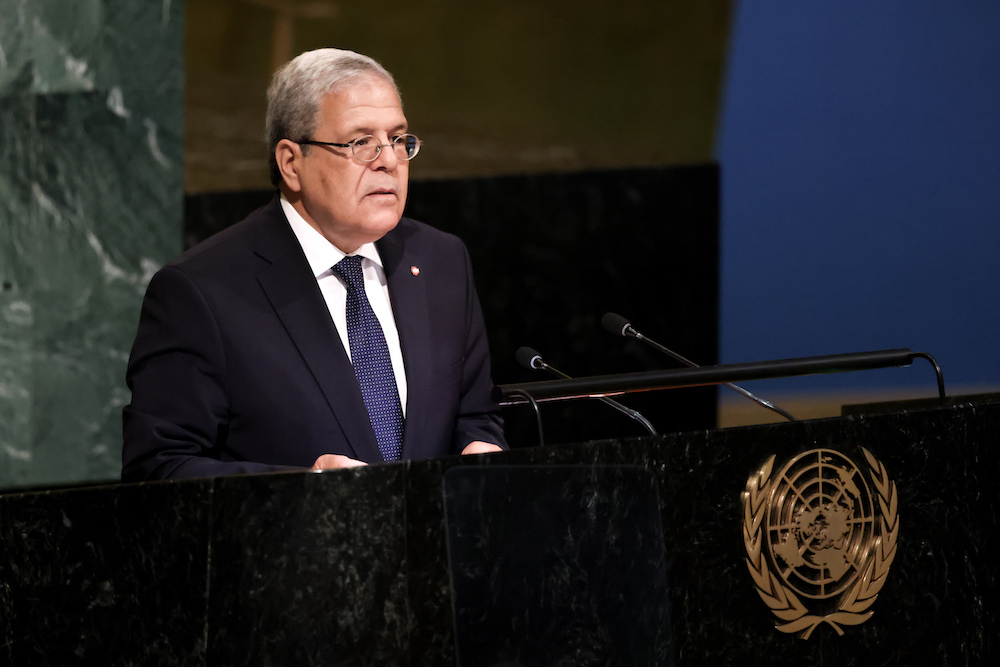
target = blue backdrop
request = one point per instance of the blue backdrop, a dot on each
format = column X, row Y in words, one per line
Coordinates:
column 860, row 152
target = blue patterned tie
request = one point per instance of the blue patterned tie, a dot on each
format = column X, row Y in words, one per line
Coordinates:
column 372, row 366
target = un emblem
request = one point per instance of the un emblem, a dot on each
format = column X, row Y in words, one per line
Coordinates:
column 819, row 538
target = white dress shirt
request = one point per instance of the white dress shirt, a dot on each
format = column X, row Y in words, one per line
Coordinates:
column 322, row 257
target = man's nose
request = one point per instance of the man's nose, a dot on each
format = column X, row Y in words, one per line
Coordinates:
column 387, row 158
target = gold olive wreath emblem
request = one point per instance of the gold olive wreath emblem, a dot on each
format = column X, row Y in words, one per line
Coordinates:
column 816, row 548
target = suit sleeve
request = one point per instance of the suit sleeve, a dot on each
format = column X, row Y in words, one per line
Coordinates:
column 177, row 421
column 479, row 413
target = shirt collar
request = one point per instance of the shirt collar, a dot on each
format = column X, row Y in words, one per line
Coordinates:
column 320, row 253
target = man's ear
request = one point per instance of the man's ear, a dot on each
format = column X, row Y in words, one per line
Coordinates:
column 288, row 155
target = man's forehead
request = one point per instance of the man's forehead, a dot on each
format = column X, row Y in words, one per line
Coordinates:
column 365, row 102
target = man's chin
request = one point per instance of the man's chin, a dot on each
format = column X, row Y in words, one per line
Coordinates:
column 381, row 225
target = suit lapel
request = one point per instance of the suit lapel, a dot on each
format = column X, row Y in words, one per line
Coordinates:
column 408, row 293
column 291, row 288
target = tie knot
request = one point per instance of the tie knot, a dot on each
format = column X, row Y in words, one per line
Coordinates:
column 349, row 270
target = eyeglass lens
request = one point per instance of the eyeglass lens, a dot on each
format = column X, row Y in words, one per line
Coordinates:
column 368, row 148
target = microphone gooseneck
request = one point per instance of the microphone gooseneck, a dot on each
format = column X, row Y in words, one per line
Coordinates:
column 530, row 358
column 619, row 326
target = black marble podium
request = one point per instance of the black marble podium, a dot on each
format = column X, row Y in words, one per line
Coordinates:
column 380, row 566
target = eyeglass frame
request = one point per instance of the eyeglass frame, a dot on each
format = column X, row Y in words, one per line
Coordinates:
column 378, row 147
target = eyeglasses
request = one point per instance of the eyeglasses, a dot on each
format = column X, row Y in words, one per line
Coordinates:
column 368, row 148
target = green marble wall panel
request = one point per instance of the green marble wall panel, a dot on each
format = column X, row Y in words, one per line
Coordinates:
column 91, row 122
column 16, row 312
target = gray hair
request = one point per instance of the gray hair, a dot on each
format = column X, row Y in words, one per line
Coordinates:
column 298, row 88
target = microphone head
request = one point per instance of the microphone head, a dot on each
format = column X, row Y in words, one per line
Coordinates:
column 528, row 358
column 616, row 324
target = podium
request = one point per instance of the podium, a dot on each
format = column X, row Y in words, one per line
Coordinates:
column 412, row 563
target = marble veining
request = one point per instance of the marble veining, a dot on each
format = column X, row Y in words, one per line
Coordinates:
column 111, row 572
column 556, row 565
column 91, row 125
column 407, row 563
column 315, row 575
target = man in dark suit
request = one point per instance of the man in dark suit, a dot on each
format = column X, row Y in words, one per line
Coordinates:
column 325, row 330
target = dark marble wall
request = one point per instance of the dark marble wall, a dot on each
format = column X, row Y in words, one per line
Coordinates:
column 91, row 124
column 553, row 253
column 555, row 565
column 352, row 567
column 109, row 575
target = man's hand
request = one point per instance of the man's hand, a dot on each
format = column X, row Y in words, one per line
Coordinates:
column 330, row 461
column 480, row 447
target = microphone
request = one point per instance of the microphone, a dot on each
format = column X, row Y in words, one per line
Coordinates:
column 530, row 358
column 619, row 326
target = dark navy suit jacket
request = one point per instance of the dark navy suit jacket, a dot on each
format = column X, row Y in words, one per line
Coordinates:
column 237, row 366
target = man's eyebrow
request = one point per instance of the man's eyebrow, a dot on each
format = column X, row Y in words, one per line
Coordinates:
column 370, row 130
